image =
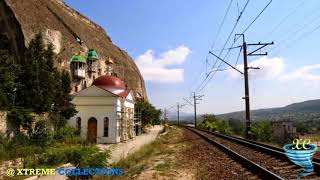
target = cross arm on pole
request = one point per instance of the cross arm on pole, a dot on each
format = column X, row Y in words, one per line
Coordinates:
column 262, row 45
column 226, row 62
column 188, row 102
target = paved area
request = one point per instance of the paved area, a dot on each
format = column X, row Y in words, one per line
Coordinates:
column 121, row 150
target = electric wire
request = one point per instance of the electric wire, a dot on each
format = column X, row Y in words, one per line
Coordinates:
column 199, row 88
column 252, row 22
column 215, row 39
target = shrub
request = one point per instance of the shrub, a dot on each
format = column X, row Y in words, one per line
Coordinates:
column 3, row 144
column 80, row 156
column 20, row 139
column 149, row 114
column 40, row 133
column 262, row 131
column 19, row 117
column 68, row 135
column 211, row 123
column 236, row 125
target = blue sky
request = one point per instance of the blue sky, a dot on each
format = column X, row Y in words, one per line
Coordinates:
column 170, row 39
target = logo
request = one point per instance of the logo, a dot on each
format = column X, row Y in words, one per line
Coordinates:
column 66, row 171
column 301, row 152
column 10, row 172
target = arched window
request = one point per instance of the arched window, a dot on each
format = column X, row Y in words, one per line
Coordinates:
column 79, row 123
column 106, row 127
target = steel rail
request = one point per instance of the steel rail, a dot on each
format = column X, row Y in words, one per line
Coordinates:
column 260, row 171
column 268, row 149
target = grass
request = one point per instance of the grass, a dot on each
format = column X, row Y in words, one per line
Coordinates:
column 154, row 156
column 315, row 139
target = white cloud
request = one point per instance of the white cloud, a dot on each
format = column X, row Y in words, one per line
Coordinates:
column 270, row 68
column 157, row 68
column 304, row 73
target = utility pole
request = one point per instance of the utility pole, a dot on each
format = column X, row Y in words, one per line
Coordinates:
column 195, row 99
column 246, row 89
column 246, row 75
column 178, row 107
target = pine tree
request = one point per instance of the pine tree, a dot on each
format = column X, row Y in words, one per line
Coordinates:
column 37, row 78
column 8, row 74
column 63, row 109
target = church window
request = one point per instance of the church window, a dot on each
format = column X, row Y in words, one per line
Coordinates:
column 79, row 123
column 106, row 127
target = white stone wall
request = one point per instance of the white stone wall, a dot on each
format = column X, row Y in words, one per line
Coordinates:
column 99, row 108
column 3, row 121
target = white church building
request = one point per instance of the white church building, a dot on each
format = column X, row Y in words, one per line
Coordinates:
column 105, row 111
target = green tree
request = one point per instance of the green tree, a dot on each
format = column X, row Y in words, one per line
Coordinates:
column 236, row 125
column 212, row 123
column 8, row 74
column 42, row 87
column 63, row 109
column 262, row 131
column 40, row 132
column 19, row 117
column 149, row 114
column 38, row 76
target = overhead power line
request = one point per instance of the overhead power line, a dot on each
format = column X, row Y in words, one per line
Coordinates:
column 221, row 24
column 217, row 35
column 252, row 22
column 286, row 17
column 200, row 87
column 288, row 35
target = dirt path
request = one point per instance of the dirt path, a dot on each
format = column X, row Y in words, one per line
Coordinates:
column 179, row 154
column 121, row 150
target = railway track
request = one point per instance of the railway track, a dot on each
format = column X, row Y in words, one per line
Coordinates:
column 268, row 162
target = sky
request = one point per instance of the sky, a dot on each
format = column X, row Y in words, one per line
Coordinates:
column 170, row 40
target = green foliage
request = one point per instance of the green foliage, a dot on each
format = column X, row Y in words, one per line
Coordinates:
column 18, row 146
column 39, row 85
column 40, row 133
column 262, row 131
column 303, row 127
column 42, row 87
column 37, row 78
column 80, row 156
column 211, row 123
column 236, row 125
column 63, row 108
column 307, row 126
column 149, row 114
column 8, row 74
column 19, row 117
column 68, row 135
column 57, row 120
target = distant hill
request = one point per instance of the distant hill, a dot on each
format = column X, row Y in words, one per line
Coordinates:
column 307, row 110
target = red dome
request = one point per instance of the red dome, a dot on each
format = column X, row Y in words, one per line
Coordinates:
column 109, row 82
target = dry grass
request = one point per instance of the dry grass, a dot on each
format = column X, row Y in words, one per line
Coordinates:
column 156, row 160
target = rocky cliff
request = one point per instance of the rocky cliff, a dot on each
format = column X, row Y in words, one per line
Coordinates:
column 62, row 26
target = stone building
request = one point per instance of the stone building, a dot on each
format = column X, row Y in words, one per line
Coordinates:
column 105, row 111
column 106, row 107
column 283, row 131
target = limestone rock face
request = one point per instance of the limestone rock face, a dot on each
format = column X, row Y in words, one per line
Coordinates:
column 61, row 25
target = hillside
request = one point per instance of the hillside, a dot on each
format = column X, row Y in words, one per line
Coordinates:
column 307, row 110
column 62, row 26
